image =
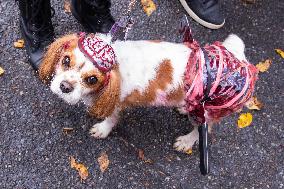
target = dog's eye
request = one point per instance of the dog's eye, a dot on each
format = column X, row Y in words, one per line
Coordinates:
column 66, row 61
column 91, row 80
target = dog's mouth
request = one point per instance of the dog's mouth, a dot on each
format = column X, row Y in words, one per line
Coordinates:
column 71, row 98
column 67, row 91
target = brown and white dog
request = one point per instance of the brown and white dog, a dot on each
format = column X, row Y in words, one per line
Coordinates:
column 146, row 73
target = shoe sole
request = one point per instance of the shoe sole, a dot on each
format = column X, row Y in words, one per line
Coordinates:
column 199, row 20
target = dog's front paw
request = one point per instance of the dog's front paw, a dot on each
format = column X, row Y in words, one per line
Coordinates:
column 182, row 110
column 101, row 130
column 185, row 143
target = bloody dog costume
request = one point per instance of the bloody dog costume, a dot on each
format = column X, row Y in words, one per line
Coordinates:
column 216, row 82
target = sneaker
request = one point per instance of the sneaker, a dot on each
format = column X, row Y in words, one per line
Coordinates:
column 36, row 28
column 94, row 18
column 205, row 12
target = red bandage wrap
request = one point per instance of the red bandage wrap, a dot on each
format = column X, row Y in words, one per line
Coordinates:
column 98, row 51
column 216, row 82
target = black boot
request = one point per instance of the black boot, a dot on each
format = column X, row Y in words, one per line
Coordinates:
column 36, row 28
column 94, row 15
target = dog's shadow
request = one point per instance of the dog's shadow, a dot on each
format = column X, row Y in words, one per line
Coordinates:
column 142, row 127
column 152, row 130
column 152, row 127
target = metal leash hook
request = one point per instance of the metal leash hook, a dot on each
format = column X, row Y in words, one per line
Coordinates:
column 204, row 148
column 185, row 30
column 120, row 29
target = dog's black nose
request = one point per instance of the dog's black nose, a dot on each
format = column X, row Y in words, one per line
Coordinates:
column 66, row 87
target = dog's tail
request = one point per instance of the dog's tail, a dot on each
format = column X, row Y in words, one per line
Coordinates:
column 235, row 45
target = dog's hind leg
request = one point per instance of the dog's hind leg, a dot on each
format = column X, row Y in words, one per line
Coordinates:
column 185, row 143
column 181, row 110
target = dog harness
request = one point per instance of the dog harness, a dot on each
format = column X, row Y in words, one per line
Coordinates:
column 216, row 82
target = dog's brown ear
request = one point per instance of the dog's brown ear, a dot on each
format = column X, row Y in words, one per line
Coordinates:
column 105, row 105
column 52, row 56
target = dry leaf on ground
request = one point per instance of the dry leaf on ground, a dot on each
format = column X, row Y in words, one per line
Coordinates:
column 1, row 71
column 249, row 1
column 67, row 6
column 103, row 161
column 19, row 43
column 82, row 169
column 254, row 104
column 141, row 154
column 244, row 120
column 67, row 130
column 264, row 66
column 148, row 6
column 280, row 52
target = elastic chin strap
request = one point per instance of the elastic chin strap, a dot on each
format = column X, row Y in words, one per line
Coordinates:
column 105, row 84
column 106, row 80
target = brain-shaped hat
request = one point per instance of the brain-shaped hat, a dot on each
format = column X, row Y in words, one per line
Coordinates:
column 98, row 51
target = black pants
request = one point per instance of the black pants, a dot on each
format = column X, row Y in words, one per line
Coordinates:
column 98, row 4
column 29, row 7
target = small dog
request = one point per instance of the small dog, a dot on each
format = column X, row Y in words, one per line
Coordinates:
column 112, row 76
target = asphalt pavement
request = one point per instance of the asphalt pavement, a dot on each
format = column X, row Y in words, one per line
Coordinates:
column 34, row 151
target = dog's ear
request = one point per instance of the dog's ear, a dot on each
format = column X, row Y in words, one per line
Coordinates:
column 52, row 56
column 109, row 99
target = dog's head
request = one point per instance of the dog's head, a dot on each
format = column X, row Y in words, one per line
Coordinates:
column 77, row 66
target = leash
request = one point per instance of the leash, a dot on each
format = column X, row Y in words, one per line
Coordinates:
column 120, row 29
column 204, row 147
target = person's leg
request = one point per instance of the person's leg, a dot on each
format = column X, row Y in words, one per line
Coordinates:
column 36, row 28
column 205, row 12
column 94, row 15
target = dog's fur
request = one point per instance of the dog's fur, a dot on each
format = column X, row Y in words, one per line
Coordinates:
column 148, row 73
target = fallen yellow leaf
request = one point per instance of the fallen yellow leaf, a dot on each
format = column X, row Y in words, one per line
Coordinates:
column 82, row 169
column 189, row 152
column 244, row 120
column 19, row 43
column 264, row 66
column 254, row 104
column 148, row 161
column 1, row 71
column 103, row 161
column 280, row 52
column 148, row 6
column 67, row 6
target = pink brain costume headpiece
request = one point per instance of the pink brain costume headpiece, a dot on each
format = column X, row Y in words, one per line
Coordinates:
column 98, row 51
